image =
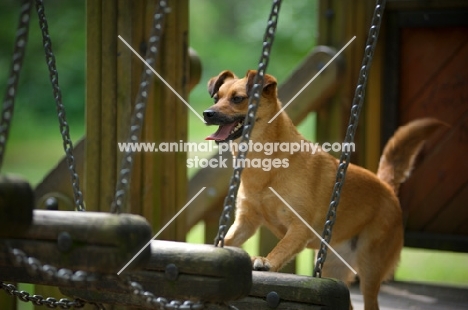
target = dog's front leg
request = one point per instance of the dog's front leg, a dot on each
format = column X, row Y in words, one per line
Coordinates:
column 293, row 242
column 244, row 226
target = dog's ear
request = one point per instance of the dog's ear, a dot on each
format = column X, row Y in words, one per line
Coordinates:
column 269, row 83
column 215, row 83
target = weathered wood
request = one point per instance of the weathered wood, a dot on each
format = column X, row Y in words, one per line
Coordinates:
column 203, row 271
column 164, row 174
column 294, row 292
column 16, row 204
column 330, row 293
column 92, row 147
column 181, row 271
column 90, row 241
column 348, row 19
column 57, row 183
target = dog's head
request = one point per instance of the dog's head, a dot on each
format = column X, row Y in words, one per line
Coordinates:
column 231, row 97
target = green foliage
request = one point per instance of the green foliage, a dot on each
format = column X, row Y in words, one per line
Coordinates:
column 229, row 35
column 66, row 20
column 34, row 144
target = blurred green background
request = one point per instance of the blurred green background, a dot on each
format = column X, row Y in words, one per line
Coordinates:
column 225, row 34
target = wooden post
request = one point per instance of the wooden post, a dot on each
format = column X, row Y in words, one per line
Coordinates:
column 339, row 21
column 158, row 186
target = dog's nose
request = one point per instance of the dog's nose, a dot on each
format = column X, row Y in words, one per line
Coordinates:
column 209, row 114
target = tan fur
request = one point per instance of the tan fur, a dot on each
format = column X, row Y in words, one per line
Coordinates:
column 401, row 150
column 369, row 211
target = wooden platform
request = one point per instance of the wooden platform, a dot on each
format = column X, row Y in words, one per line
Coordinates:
column 415, row 296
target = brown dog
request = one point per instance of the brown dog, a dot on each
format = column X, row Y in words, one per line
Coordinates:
column 368, row 232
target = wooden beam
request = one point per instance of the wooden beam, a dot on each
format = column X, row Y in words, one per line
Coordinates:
column 88, row 241
column 16, row 204
column 269, row 290
column 175, row 271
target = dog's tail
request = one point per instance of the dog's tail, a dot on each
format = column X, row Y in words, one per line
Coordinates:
column 401, row 150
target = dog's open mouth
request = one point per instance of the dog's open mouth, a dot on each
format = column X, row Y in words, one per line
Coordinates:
column 229, row 131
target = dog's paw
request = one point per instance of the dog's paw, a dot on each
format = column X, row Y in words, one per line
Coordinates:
column 260, row 263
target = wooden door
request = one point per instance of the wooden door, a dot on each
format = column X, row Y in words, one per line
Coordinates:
column 432, row 81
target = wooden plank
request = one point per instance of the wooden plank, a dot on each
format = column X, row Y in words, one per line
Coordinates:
column 108, row 102
column 167, row 122
column 151, row 183
column 442, row 95
column 124, row 97
column 16, row 204
column 425, row 54
column 435, row 181
column 453, row 215
column 92, row 147
column 339, row 22
column 182, row 271
column 57, row 184
column 92, row 241
column 255, row 303
column 328, row 293
column 319, row 91
column 138, row 27
column 202, row 268
column 181, row 46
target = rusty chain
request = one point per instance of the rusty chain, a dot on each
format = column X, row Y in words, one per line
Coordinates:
column 64, row 127
column 254, row 99
column 138, row 115
column 350, row 132
column 13, row 78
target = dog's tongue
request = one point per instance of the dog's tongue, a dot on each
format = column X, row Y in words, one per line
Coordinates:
column 222, row 133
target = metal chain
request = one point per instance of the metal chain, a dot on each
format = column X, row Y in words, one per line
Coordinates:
column 162, row 303
column 80, row 278
column 254, row 99
column 21, row 41
column 64, row 128
column 38, row 300
column 34, row 267
column 136, row 122
column 350, row 132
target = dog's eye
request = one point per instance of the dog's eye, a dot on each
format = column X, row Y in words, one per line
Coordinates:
column 215, row 99
column 237, row 99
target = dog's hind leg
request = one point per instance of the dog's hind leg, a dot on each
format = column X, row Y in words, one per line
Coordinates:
column 376, row 261
column 335, row 268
